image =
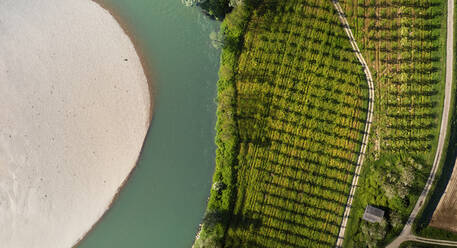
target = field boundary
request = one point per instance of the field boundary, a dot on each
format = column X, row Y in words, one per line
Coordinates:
column 363, row 147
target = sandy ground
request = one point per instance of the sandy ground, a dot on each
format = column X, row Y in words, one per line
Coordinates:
column 74, row 111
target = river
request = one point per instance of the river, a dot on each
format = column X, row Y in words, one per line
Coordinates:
column 165, row 198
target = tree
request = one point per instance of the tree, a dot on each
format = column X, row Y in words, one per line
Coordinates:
column 217, row 8
column 373, row 232
column 395, row 220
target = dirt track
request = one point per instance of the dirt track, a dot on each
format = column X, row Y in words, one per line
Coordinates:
column 363, row 148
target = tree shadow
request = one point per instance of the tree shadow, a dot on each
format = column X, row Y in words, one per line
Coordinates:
column 238, row 221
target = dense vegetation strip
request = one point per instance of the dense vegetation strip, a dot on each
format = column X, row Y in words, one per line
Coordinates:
column 220, row 202
column 292, row 110
column 403, row 43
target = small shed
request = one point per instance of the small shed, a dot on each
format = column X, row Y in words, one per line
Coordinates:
column 373, row 215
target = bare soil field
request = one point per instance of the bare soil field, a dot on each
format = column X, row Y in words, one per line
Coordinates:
column 445, row 215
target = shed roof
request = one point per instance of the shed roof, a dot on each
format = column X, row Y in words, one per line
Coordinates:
column 373, row 214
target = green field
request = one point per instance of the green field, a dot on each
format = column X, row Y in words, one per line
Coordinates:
column 292, row 109
column 403, row 43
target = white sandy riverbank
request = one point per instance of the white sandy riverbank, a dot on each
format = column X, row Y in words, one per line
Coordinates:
column 74, row 111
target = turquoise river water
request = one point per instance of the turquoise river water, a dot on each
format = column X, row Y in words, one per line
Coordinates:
column 164, row 200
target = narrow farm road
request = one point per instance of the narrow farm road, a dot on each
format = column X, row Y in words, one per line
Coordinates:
column 434, row 241
column 412, row 237
column 406, row 233
column 366, row 133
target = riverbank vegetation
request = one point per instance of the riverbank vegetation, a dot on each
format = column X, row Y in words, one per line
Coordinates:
column 403, row 43
column 292, row 106
column 217, row 8
column 220, row 202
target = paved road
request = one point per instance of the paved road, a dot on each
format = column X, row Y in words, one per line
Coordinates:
column 366, row 134
column 406, row 233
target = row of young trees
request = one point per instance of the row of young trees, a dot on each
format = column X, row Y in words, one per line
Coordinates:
column 291, row 112
column 402, row 42
column 300, row 110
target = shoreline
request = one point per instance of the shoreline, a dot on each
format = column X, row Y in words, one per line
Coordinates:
column 146, row 64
